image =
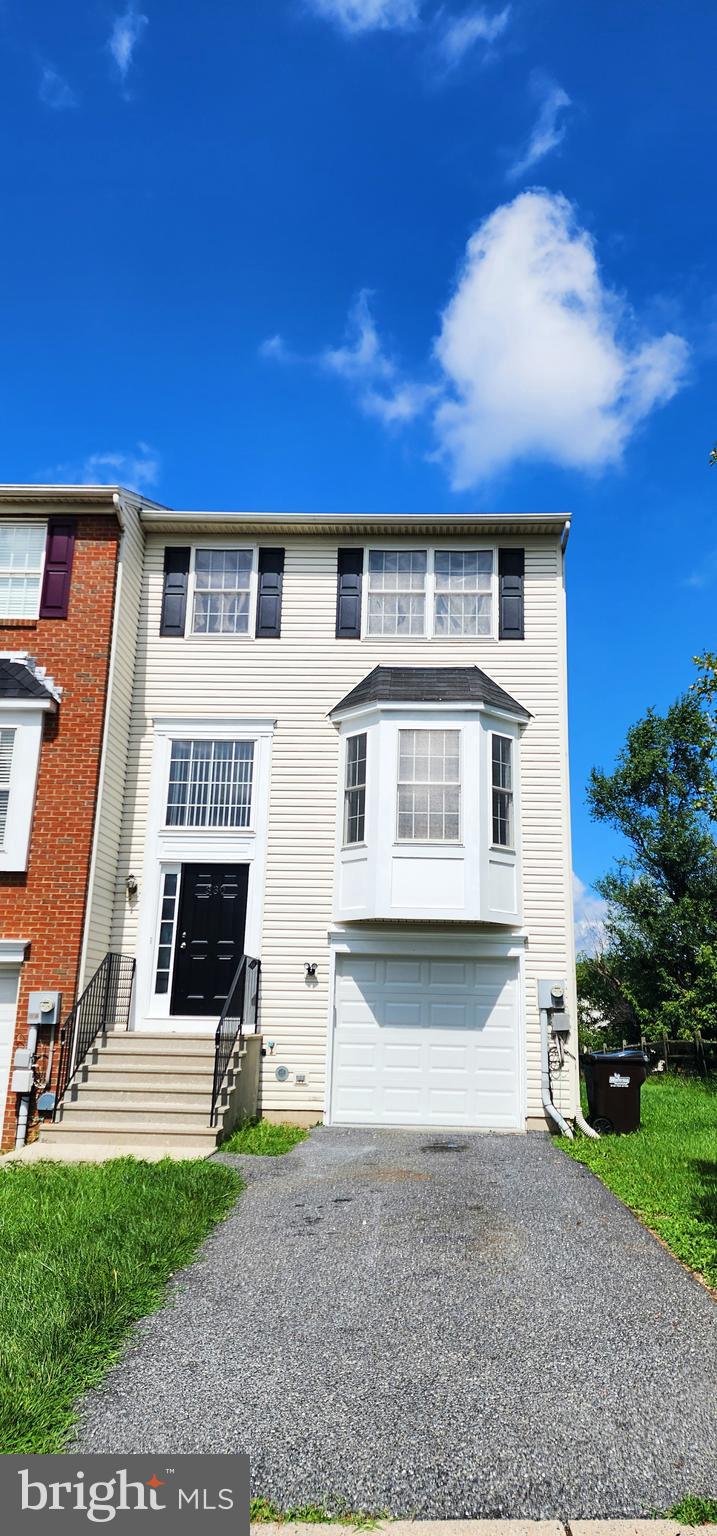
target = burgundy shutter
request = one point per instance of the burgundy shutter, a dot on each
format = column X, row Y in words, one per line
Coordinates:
column 59, row 550
column 268, row 606
column 511, row 574
column 174, row 594
column 348, row 594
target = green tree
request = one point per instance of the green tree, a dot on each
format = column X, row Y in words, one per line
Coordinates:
column 658, row 966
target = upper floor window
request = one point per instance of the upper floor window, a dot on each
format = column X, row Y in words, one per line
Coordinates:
column 222, row 591
column 463, row 594
column 446, row 593
column 397, row 592
column 502, row 775
column 355, row 790
column 22, row 554
column 7, row 742
column 210, row 784
column 429, row 790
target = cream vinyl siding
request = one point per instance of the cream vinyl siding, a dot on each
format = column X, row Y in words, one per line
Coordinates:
column 296, row 680
column 118, row 713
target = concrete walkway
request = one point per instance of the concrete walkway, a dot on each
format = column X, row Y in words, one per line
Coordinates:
column 432, row 1326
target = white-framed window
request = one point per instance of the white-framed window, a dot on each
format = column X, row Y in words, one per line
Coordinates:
column 432, row 593
column 223, row 591
column 397, row 591
column 22, row 559
column 463, row 592
column 210, row 783
column 167, row 925
column 355, row 790
column 429, row 786
column 502, row 784
column 7, row 743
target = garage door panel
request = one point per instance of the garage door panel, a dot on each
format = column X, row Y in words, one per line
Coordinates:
column 426, row 1042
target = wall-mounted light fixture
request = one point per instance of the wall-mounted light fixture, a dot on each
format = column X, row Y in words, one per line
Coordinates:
column 132, row 885
column 310, row 969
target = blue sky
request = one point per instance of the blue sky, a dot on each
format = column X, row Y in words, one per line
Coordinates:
column 384, row 254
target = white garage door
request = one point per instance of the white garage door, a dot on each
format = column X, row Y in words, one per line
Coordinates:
column 8, row 1003
column 426, row 1042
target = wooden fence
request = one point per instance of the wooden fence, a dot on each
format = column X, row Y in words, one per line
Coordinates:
column 695, row 1056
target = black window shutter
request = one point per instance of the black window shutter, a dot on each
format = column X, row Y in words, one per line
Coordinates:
column 511, row 575
column 174, row 596
column 268, row 605
column 348, row 594
column 59, row 550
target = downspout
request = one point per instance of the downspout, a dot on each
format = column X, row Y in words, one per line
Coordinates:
column 586, row 1129
column 548, row 1105
column 24, row 1108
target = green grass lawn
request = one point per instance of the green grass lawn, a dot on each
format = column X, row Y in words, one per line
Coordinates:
column 86, row 1250
column 264, row 1139
column 667, row 1171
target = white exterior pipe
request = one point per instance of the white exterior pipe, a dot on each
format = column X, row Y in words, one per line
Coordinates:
column 24, row 1110
column 548, row 1104
column 586, row 1129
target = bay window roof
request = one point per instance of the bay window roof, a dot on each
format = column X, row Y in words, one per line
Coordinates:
column 430, row 685
column 22, row 681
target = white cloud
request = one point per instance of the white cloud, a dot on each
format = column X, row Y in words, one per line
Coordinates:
column 537, row 354
column 549, row 129
column 460, row 33
column 369, row 15
column 704, row 574
column 126, row 32
column 275, row 349
column 590, row 912
column 54, row 90
column 137, row 468
column 361, row 356
column 403, row 403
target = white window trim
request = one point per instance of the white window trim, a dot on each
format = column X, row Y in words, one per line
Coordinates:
column 511, row 846
column 17, row 522
column 224, row 544
column 428, row 842
column 24, row 768
column 344, row 845
column 465, row 546
column 249, row 826
column 167, row 848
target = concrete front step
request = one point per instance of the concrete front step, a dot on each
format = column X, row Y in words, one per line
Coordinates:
column 132, row 1043
column 129, row 1138
column 134, row 1077
column 128, row 1116
column 121, row 1095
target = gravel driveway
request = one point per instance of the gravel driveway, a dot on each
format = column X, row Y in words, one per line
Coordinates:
column 472, row 1330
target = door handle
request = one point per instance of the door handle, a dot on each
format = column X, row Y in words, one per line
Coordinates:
column 183, row 944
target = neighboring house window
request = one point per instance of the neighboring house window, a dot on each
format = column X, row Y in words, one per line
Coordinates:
column 355, row 791
column 22, row 553
column 397, row 592
column 170, row 892
column 429, row 791
column 502, row 791
column 7, row 741
column 222, row 591
column 463, row 592
column 210, row 784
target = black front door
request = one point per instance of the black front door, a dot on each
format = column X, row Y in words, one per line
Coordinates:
column 210, row 935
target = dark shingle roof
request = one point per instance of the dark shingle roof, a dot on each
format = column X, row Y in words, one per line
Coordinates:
column 430, row 685
column 18, row 682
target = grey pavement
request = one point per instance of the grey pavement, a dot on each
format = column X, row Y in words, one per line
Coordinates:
column 434, row 1326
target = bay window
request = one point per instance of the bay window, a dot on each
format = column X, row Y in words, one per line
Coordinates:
column 502, row 785
column 355, row 790
column 429, row 791
column 7, row 742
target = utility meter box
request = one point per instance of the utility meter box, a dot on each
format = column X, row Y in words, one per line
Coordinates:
column 44, row 1007
column 22, row 1073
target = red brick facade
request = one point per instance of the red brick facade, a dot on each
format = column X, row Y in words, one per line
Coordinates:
column 46, row 903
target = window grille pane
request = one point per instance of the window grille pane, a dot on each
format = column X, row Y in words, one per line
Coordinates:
column 166, row 933
column 429, row 786
column 210, row 784
column 396, row 588
column 7, row 741
column 463, row 601
column 502, row 779
column 222, row 588
column 355, row 790
column 22, row 546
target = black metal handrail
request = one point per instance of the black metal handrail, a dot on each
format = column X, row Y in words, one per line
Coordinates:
column 240, row 1012
column 104, row 1004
